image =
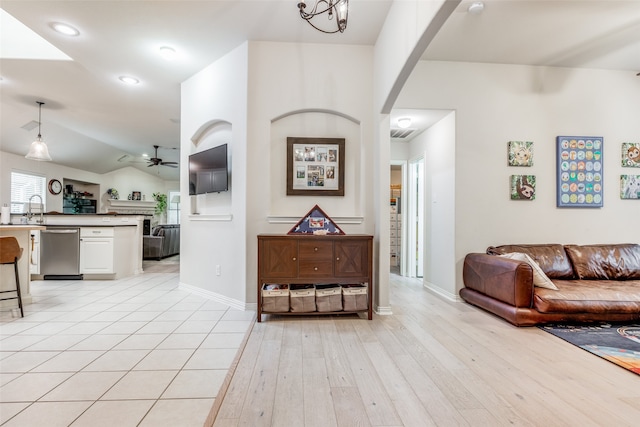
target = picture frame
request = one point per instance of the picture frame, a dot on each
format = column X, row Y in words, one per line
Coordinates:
column 630, row 187
column 135, row 195
column 315, row 166
column 630, row 155
column 520, row 153
column 580, row 173
column 523, row 187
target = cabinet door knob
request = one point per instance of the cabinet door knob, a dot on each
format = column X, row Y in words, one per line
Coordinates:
column 294, row 258
column 337, row 258
column 315, row 249
column 315, row 268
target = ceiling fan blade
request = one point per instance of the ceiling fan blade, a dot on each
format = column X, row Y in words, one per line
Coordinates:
column 151, row 164
column 168, row 163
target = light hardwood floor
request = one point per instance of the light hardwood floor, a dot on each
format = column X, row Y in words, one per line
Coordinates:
column 431, row 363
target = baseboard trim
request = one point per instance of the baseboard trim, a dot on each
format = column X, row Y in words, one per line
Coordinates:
column 444, row 294
column 383, row 311
column 240, row 305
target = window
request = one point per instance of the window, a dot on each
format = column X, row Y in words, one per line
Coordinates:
column 173, row 209
column 23, row 187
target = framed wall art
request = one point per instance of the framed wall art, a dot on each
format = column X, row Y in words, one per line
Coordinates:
column 523, row 187
column 579, row 171
column 630, row 186
column 520, row 153
column 630, row 155
column 315, row 166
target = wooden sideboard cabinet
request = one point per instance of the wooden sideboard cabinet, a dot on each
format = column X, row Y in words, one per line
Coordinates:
column 310, row 259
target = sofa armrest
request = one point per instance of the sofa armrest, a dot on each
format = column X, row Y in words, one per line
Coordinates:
column 506, row 280
column 152, row 246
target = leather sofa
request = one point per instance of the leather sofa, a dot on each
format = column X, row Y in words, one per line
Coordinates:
column 594, row 283
column 164, row 241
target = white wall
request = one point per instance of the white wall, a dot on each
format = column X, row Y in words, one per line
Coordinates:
column 498, row 103
column 214, row 110
column 294, row 90
column 288, row 81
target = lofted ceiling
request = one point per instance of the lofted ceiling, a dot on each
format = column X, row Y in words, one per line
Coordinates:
column 92, row 121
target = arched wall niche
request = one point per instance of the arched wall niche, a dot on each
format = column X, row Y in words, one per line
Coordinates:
column 212, row 134
column 318, row 123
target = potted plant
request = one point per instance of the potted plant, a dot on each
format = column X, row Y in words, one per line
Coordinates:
column 161, row 204
column 113, row 193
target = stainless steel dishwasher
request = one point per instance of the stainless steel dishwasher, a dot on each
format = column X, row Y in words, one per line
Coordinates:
column 60, row 253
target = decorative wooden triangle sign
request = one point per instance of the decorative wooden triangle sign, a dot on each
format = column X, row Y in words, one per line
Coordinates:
column 316, row 222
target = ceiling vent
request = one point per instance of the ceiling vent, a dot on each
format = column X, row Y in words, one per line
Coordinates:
column 30, row 125
column 401, row 133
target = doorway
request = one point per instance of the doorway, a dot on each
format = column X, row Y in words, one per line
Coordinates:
column 415, row 218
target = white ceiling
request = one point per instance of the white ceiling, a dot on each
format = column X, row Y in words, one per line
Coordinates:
column 90, row 119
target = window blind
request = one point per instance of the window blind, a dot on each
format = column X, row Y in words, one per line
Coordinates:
column 23, row 186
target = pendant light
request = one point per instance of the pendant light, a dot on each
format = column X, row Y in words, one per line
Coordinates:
column 39, row 150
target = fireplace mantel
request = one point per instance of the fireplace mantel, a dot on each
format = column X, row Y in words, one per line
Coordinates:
column 140, row 207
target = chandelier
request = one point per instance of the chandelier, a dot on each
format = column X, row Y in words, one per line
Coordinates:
column 339, row 8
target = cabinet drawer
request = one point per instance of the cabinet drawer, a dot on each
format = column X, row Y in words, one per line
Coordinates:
column 316, row 251
column 96, row 232
column 316, row 268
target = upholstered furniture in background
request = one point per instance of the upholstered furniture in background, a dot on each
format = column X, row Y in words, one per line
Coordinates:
column 164, row 241
column 594, row 283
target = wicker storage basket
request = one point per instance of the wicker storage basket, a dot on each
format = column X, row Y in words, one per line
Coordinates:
column 328, row 298
column 354, row 297
column 302, row 298
column 275, row 298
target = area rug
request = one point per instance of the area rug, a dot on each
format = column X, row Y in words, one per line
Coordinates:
column 619, row 344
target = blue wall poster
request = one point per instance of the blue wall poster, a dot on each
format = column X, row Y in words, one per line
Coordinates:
column 579, row 171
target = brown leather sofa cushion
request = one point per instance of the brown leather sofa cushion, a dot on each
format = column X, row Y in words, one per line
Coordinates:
column 589, row 296
column 552, row 258
column 605, row 262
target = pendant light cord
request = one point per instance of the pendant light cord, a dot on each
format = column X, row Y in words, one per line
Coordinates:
column 40, row 104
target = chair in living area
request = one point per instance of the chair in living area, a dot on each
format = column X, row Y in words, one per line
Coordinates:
column 10, row 253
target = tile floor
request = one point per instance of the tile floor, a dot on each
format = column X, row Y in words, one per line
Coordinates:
column 131, row 352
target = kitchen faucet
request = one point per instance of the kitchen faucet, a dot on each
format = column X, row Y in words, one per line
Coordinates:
column 30, row 213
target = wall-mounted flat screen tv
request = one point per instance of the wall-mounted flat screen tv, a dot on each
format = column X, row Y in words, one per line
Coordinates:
column 208, row 172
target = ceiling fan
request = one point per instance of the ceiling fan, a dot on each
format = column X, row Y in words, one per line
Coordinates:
column 155, row 161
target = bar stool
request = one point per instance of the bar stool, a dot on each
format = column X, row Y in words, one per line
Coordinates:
column 10, row 253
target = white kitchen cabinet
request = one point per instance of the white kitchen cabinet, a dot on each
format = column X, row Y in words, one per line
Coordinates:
column 96, row 250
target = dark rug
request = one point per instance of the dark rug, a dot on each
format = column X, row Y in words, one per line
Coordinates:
column 619, row 344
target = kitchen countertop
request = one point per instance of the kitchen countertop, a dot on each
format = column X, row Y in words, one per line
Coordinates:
column 22, row 227
column 82, row 220
column 92, row 214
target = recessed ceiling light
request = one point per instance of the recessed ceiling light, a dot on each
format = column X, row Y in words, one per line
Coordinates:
column 404, row 122
column 129, row 80
column 476, row 8
column 65, row 29
column 168, row 53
